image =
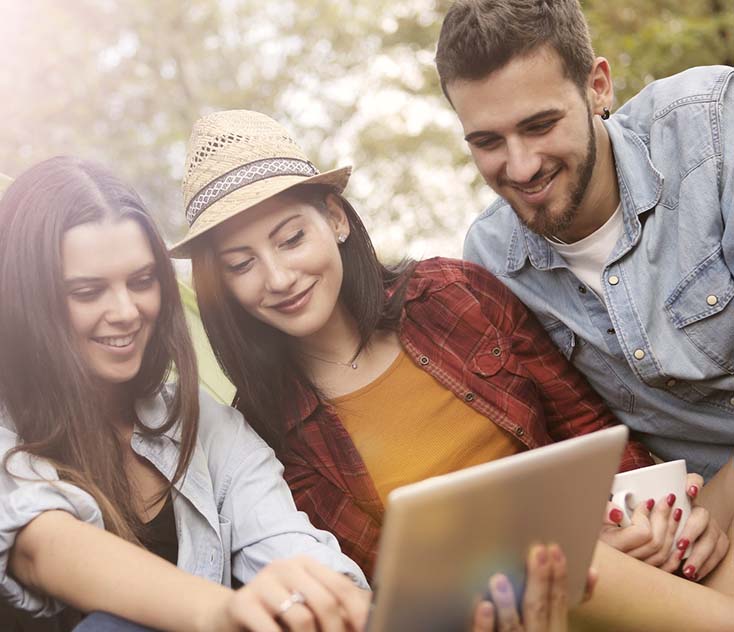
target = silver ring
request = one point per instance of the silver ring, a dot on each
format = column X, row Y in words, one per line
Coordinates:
column 295, row 598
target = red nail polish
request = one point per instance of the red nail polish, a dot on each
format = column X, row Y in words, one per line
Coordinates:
column 683, row 544
column 689, row 571
column 650, row 504
column 670, row 500
column 693, row 491
column 615, row 515
column 677, row 514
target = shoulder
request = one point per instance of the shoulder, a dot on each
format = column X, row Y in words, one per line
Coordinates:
column 493, row 238
column 699, row 85
column 221, row 427
column 452, row 282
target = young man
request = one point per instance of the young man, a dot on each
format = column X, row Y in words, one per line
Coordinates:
column 617, row 232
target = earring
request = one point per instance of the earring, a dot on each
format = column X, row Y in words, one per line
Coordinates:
column 605, row 114
column 341, row 238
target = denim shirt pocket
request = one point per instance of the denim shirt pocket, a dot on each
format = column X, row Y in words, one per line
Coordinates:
column 562, row 337
column 225, row 535
column 699, row 306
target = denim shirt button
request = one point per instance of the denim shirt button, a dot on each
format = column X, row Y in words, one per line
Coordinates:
column 639, row 354
column 582, row 289
column 731, row 401
column 613, row 280
column 671, row 383
column 712, row 300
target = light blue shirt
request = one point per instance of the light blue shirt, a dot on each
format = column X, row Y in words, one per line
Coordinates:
column 234, row 512
column 661, row 352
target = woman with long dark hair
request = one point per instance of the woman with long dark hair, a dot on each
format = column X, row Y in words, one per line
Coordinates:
column 365, row 377
column 110, row 478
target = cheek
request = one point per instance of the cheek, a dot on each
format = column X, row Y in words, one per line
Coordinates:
column 81, row 318
column 486, row 163
column 243, row 290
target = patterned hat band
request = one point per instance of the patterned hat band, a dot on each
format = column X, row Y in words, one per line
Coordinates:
column 243, row 176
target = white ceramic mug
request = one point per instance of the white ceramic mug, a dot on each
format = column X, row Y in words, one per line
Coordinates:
column 629, row 489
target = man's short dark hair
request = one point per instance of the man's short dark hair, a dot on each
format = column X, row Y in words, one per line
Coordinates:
column 481, row 36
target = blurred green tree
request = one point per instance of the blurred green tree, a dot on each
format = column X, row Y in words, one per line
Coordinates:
column 354, row 81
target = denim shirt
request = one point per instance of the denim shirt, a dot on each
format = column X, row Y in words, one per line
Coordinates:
column 234, row 512
column 659, row 347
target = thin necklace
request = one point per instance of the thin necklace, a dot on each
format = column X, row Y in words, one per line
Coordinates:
column 352, row 364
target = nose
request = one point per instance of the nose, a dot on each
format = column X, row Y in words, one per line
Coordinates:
column 122, row 307
column 522, row 161
column 278, row 277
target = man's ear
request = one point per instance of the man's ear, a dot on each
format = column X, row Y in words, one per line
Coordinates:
column 336, row 215
column 599, row 88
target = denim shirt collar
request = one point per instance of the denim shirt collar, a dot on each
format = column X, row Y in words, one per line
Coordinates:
column 640, row 188
column 163, row 452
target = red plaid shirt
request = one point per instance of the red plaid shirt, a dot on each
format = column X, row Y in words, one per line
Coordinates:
column 466, row 329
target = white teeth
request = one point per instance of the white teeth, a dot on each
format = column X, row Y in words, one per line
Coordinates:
column 116, row 341
column 535, row 189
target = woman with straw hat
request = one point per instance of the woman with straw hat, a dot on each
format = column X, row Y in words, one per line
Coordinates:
column 364, row 377
column 117, row 492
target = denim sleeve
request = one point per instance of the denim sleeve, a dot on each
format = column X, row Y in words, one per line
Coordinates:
column 727, row 173
column 265, row 524
column 28, row 487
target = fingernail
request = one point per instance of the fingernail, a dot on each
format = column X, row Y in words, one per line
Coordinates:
column 677, row 514
column 683, row 544
column 689, row 571
column 650, row 504
column 504, row 586
column 541, row 557
column 670, row 500
column 558, row 554
column 693, row 491
column 616, row 515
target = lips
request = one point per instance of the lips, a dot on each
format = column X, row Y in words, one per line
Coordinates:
column 293, row 303
column 534, row 193
column 116, row 342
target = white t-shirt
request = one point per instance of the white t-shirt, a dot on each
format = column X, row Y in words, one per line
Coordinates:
column 586, row 257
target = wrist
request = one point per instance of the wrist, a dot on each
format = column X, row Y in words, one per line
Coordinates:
column 213, row 611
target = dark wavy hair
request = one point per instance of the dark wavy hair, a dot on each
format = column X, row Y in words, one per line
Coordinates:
column 45, row 385
column 260, row 360
column 480, row 36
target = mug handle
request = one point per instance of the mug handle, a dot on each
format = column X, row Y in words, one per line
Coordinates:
column 624, row 499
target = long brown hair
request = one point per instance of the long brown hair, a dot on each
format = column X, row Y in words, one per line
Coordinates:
column 45, row 385
column 260, row 360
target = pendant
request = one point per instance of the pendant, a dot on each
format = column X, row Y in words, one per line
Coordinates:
column 353, row 365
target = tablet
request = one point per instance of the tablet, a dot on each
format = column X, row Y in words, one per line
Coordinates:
column 445, row 536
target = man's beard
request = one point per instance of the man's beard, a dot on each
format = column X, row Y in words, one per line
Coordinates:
column 542, row 222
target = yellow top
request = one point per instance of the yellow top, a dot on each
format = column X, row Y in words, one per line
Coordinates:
column 407, row 427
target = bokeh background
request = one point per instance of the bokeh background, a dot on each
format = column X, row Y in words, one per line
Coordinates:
column 122, row 82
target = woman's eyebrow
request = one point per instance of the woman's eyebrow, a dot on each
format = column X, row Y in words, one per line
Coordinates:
column 148, row 267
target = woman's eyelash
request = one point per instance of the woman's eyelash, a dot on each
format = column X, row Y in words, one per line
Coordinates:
column 292, row 241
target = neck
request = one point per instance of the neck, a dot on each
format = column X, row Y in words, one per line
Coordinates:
column 337, row 340
column 602, row 194
column 119, row 407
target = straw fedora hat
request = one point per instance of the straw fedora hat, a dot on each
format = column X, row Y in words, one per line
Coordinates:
column 236, row 159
